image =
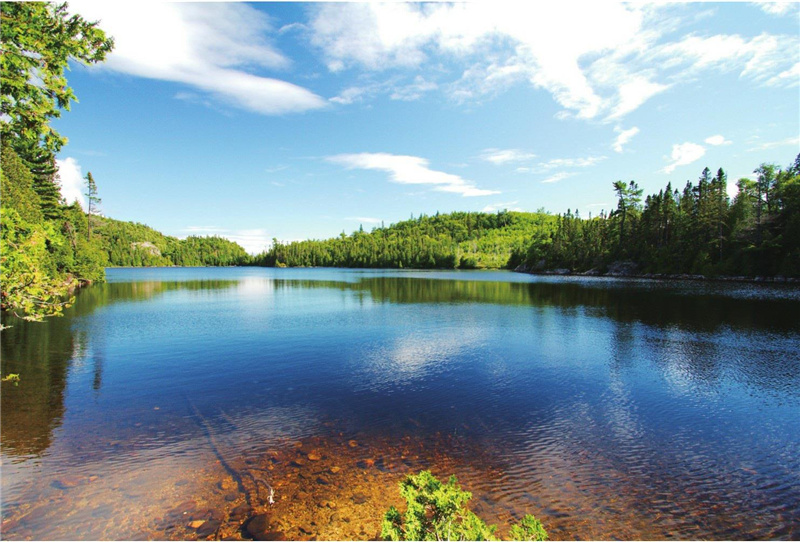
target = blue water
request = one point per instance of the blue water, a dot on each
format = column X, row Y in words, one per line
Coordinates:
column 629, row 409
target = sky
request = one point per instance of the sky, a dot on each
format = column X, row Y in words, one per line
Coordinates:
column 302, row 120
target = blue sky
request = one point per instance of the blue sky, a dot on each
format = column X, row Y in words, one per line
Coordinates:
column 301, row 120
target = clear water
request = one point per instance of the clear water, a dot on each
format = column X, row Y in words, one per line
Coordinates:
column 607, row 408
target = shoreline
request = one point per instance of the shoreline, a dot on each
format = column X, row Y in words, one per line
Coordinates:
column 624, row 274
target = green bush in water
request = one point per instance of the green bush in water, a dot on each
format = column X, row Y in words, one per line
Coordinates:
column 436, row 511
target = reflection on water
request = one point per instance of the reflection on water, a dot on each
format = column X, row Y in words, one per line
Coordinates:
column 629, row 409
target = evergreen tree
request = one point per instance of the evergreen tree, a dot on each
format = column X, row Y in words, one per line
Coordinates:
column 92, row 201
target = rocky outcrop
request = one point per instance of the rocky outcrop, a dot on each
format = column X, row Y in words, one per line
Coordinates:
column 146, row 246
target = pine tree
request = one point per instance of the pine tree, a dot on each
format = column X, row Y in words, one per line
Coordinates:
column 92, row 201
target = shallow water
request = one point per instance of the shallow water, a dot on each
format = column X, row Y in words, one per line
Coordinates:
column 167, row 403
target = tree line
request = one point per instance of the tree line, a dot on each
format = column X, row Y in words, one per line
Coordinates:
column 696, row 230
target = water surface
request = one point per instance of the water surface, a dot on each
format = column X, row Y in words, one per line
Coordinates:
column 167, row 403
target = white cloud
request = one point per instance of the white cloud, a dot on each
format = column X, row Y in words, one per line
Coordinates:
column 683, row 154
column 413, row 91
column 634, row 92
column 778, row 8
column 570, row 162
column 494, row 207
column 717, row 140
column 351, row 95
column 793, row 141
column 603, row 60
column 789, row 78
column 624, row 137
column 205, row 46
column 504, row 156
column 73, row 184
column 558, row 177
column 410, row 170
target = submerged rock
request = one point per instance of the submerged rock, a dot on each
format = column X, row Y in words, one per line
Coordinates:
column 258, row 527
column 241, row 512
column 69, row 481
column 209, row 527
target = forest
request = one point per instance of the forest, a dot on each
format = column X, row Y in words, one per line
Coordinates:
column 698, row 230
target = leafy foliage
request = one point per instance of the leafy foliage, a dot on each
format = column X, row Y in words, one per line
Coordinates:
column 29, row 289
column 436, row 511
column 38, row 41
column 11, row 377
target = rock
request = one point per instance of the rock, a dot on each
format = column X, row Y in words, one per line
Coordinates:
column 352, row 443
column 230, row 497
column 334, row 470
column 314, row 456
column 68, row 481
column 622, row 269
column 258, row 528
column 241, row 512
column 322, row 481
column 360, row 498
column 196, row 523
column 209, row 527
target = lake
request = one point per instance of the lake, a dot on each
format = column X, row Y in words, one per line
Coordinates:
column 176, row 403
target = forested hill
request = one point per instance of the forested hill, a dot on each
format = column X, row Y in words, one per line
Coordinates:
column 130, row 244
column 456, row 240
column 696, row 230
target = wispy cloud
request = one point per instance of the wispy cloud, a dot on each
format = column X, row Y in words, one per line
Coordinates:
column 558, row 177
column 623, row 137
column 410, row 170
column 72, row 182
column 560, row 163
column 717, row 140
column 683, row 154
column 789, row 141
column 414, row 90
column 209, row 47
column 505, row 156
column 352, row 94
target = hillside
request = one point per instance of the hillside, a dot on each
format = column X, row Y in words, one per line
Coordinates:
column 456, row 240
column 130, row 244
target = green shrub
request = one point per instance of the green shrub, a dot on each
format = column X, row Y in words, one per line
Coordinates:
column 436, row 511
